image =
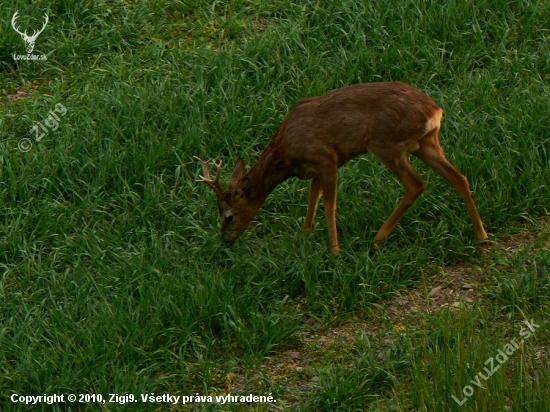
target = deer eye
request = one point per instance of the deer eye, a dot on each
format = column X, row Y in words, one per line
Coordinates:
column 229, row 219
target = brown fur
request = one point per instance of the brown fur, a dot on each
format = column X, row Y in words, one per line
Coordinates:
column 323, row 133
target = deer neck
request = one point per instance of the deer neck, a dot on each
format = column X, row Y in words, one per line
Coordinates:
column 270, row 170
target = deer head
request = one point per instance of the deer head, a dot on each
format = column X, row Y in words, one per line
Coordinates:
column 29, row 39
column 235, row 205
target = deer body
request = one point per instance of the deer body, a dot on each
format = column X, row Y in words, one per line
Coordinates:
column 323, row 133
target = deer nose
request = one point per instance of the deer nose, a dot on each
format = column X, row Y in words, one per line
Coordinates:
column 230, row 236
column 228, row 240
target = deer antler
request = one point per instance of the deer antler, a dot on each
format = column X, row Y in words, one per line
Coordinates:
column 213, row 183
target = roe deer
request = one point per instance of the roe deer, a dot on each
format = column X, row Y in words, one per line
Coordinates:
column 320, row 134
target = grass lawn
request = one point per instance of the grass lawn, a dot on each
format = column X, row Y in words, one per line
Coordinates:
column 113, row 275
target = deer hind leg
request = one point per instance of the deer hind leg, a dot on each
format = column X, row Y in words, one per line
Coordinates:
column 431, row 153
column 329, row 182
column 315, row 193
column 414, row 186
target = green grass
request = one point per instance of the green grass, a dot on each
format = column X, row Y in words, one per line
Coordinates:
column 113, row 275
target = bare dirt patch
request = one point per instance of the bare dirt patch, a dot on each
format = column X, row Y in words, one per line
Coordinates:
column 24, row 92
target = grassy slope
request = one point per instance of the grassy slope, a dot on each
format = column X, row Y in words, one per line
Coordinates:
column 113, row 275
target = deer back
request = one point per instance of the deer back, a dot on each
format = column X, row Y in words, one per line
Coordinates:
column 346, row 122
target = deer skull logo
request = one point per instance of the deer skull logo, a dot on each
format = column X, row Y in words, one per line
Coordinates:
column 29, row 39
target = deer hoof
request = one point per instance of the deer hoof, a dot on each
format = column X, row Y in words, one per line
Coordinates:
column 377, row 245
column 481, row 248
column 335, row 250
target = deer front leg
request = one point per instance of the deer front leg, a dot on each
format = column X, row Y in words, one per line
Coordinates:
column 315, row 193
column 329, row 181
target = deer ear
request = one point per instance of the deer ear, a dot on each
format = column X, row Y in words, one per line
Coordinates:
column 238, row 172
column 242, row 188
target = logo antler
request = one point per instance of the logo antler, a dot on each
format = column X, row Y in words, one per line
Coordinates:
column 29, row 39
